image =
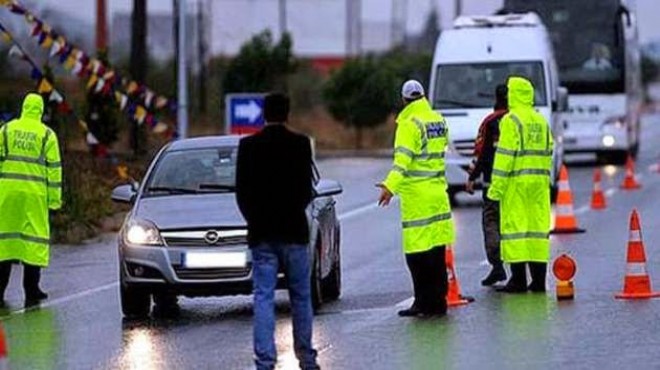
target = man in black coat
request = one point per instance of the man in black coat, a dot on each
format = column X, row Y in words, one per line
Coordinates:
column 274, row 186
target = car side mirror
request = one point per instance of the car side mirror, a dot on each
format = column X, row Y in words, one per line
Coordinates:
column 125, row 193
column 561, row 105
column 327, row 188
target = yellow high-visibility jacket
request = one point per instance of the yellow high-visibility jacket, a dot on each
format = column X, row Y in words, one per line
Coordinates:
column 521, row 178
column 418, row 178
column 30, row 185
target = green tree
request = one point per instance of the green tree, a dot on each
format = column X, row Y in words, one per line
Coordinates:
column 362, row 94
column 261, row 65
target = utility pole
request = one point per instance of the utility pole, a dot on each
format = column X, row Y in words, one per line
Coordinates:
column 283, row 19
column 458, row 8
column 202, row 17
column 101, row 27
column 182, row 109
column 138, row 67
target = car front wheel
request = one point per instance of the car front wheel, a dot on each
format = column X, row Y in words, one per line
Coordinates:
column 316, row 290
column 135, row 303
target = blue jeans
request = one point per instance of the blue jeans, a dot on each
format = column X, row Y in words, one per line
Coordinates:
column 294, row 259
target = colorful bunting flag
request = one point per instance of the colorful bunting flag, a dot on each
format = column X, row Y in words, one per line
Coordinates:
column 56, row 97
column 44, row 87
column 92, row 82
column 55, row 48
column 15, row 51
column 160, row 128
column 140, row 114
column 148, row 98
column 6, row 37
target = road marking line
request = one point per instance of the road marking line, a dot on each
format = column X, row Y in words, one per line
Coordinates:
column 484, row 263
column 405, row 303
column 61, row 300
column 610, row 192
column 581, row 210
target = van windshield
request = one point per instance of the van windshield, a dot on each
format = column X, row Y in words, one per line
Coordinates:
column 473, row 85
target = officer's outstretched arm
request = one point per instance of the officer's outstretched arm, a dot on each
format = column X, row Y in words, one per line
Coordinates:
column 54, row 166
column 505, row 156
column 406, row 144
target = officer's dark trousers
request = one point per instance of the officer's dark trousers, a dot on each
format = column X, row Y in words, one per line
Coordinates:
column 31, row 277
column 429, row 275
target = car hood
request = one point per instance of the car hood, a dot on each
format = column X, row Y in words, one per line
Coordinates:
column 191, row 211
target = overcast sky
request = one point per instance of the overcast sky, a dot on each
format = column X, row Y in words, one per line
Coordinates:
column 372, row 10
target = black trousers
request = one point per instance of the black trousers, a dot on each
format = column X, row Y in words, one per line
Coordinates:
column 429, row 275
column 490, row 223
column 31, row 277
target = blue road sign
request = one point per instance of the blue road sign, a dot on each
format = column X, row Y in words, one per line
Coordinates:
column 244, row 113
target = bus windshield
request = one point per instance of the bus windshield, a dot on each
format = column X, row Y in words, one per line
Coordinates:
column 587, row 36
column 473, row 85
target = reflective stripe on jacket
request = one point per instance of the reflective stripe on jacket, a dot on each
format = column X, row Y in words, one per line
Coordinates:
column 418, row 177
column 521, row 178
column 30, row 185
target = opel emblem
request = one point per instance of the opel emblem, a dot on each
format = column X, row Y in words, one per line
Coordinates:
column 211, row 237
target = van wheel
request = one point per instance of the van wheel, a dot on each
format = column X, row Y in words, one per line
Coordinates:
column 135, row 302
column 331, row 285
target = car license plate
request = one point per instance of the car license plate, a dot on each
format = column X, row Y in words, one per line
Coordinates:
column 215, row 260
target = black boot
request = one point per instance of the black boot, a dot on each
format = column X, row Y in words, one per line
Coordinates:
column 538, row 271
column 497, row 274
column 412, row 311
column 518, row 281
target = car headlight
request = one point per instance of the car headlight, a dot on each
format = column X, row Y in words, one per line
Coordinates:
column 615, row 122
column 142, row 232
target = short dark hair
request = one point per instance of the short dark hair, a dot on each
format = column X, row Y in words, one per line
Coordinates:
column 501, row 97
column 276, row 107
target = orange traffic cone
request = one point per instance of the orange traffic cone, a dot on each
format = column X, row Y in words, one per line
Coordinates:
column 4, row 362
column 597, row 196
column 454, row 297
column 629, row 182
column 636, row 283
column 565, row 221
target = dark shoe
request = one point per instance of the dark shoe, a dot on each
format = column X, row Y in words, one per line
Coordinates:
column 410, row 312
column 512, row 288
column 496, row 275
column 433, row 313
column 37, row 295
column 536, row 288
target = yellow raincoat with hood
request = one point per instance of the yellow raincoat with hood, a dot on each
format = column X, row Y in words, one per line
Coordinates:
column 30, row 185
column 521, row 178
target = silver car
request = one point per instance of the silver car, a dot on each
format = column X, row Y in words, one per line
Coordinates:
column 185, row 235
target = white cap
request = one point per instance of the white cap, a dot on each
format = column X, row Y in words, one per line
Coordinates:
column 412, row 89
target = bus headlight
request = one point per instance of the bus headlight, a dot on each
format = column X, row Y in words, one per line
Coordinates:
column 608, row 141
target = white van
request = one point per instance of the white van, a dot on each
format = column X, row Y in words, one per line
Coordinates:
column 470, row 60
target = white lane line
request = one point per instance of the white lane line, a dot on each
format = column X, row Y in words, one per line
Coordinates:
column 62, row 300
column 405, row 303
column 610, row 192
column 582, row 210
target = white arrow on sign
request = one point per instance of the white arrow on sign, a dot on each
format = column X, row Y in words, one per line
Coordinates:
column 250, row 111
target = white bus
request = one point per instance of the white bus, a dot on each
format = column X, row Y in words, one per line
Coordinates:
column 598, row 56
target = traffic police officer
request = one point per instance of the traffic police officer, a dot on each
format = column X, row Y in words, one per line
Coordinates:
column 521, row 183
column 418, row 177
column 30, row 185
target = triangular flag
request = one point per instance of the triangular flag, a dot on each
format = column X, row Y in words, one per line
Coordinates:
column 17, row 9
column 30, row 18
column 36, row 30
column 70, row 62
column 91, row 139
column 132, row 87
column 44, row 87
column 64, row 108
column 96, row 66
column 99, row 85
column 15, row 51
column 55, row 48
column 118, row 97
column 6, row 37
column 77, row 67
column 56, row 97
column 150, row 120
column 83, row 125
column 160, row 127
column 36, row 74
column 148, row 98
column 161, row 101
column 92, row 81
column 123, row 102
column 47, row 43
column 140, row 114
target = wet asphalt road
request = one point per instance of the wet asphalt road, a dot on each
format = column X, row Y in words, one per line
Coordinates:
column 81, row 327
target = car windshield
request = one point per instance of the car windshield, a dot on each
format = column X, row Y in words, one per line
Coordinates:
column 473, row 85
column 205, row 170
